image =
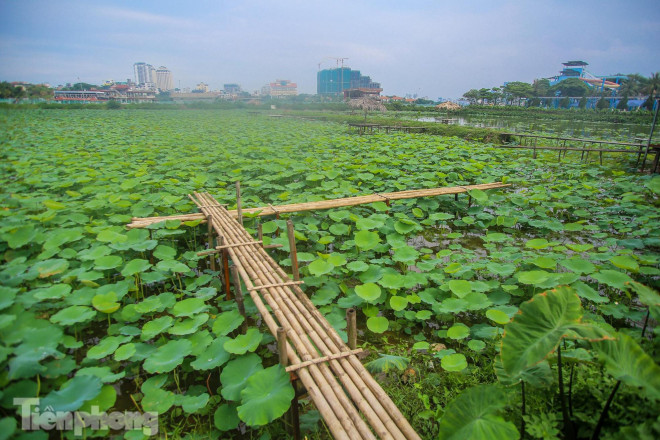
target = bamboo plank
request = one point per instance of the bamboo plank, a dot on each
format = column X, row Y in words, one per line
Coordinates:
column 322, row 359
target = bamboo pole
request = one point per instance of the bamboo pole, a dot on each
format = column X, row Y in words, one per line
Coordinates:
column 239, row 212
column 209, row 220
column 324, row 204
column 351, row 328
column 320, row 342
column 292, row 249
column 336, row 417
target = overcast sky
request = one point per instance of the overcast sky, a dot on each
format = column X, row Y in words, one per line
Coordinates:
column 430, row 48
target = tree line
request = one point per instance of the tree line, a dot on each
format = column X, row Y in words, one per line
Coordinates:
column 11, row 91
column 518, row 92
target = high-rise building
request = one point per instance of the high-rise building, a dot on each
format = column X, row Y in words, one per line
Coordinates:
column 145, row 75
column 164, row 80
column 340, row 80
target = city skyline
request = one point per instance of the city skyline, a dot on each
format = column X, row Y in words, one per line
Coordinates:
column 428, row 48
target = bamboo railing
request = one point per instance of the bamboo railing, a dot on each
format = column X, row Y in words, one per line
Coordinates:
column 351, row 402
column 138, row 222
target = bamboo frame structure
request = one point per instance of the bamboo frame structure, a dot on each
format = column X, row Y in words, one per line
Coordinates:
column 143, row 222
column 351, row 402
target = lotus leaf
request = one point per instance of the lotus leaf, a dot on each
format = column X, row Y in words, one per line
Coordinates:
column 266, row 396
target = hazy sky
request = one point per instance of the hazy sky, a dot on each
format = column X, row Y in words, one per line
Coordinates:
column 431, row 48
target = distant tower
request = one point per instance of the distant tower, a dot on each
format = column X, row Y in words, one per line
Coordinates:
column 145, row 74
column 164, row 80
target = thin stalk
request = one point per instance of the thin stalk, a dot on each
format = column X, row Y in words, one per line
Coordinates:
column 646, row 321
column 523, row 413
column 570, row 392
column 603, row 414
column 568, row 427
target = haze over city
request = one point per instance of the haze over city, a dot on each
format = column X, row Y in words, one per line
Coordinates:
column 427, row 48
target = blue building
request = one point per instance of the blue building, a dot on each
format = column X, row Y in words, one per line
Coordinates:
column 342, row 80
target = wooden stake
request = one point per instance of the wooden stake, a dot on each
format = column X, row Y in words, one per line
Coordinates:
column 209, row 222
column 260, row 232
column 351, row 328
column 293, row 253
column 238, row 293
column 281, row 346
column 238, row 202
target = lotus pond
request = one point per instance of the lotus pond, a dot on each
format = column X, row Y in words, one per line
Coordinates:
column 510, row 313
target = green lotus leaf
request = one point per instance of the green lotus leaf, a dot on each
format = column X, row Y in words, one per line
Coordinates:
column 191, row 404
column 111, row 236
column 378, row 324
column 104, row 401
column 357, row 266
column 586, row 292
column 48, row 268
column 496, row 237
column 368, row 291
column 580, row 247
column 21, row 236
column 72, row 315
column 227, row 322
column 537, row 243
column 226, row 418
column 458, row 331
column 453, row 305
column 106, row 302
column 405, row 226
column 124, row 352
column 545, row 263
column 157, row 400
column 476, row 345
column 241, row 344
column 454, row 362
column 398, row 303
column 168, row 356
column 339, row 229
column 365, row 224
column 188, row 326
column 320, row 267
column 612, row 278
column 498, row 316
column 503, row 270
column 533, row 276
column 235, row 374
column 189, row 307
column 56, row 291
column 478, row 195
column 475, row 414
column 105, row 347
column 172, row 266
column 423, row 315
column 107, row 262
column 578, row 265
column 625, row 262
column 337, row 259
column 266, row 396
column 163, row 252
column 156, row 327
column 421, row 345
column 460, row 288
column 405, row 254
column 135, row 266
column 392, row 280
column 213, row 356
column 366, row 240
column 72, row 395
column 539, row 327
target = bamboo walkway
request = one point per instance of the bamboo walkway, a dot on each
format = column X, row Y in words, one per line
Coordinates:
column 138, row 222
column 351, row 402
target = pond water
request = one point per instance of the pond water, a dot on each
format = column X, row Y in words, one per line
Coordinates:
column 561, row 127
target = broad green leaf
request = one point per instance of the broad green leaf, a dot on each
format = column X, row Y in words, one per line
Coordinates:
column 72, row 315
column 498, row 316
column 137, row 265
column 578, row 265
column 458, row 331
column 387, row 362
column 106, row 303
column 227, row 322
column 537, row 243
column 213, row 356
column 625, row 262
column 398, row 303
column 454, row 362
column 366, row 240
column 378, row 324
column 533, row 276
column 168, row 356
column 539, row 327
column 226, row 418
column 241, row 344
column 320, row 267
column 156, row 327
column 266, row 396
column 236, row 373
column 460, row 288
column 368, row 291
column 474, row 414
column 72, row 395
column 612, row 278
column 189, row 307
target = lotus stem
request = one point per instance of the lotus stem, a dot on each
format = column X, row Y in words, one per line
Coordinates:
column 570, row 392
column 522, row 423
column 603, row 414
column 646, row 321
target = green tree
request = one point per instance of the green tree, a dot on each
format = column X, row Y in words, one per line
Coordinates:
column 570, row 87
column 602, row 104
column 39, row 91
column 9, row 91
column 541, row 87
column 651, row 88
column 623, row 103
column 517, row 90
column 472, row 95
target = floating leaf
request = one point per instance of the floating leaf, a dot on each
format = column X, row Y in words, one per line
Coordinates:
column 168, row 356
column 241, row 344
column 266, row 396
column 378, row 324
column 236, row 373
column 454, row 362
column 227, row 322
column 458, row 331
column 387, row 362
column 368, row 291
column 320, row 267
